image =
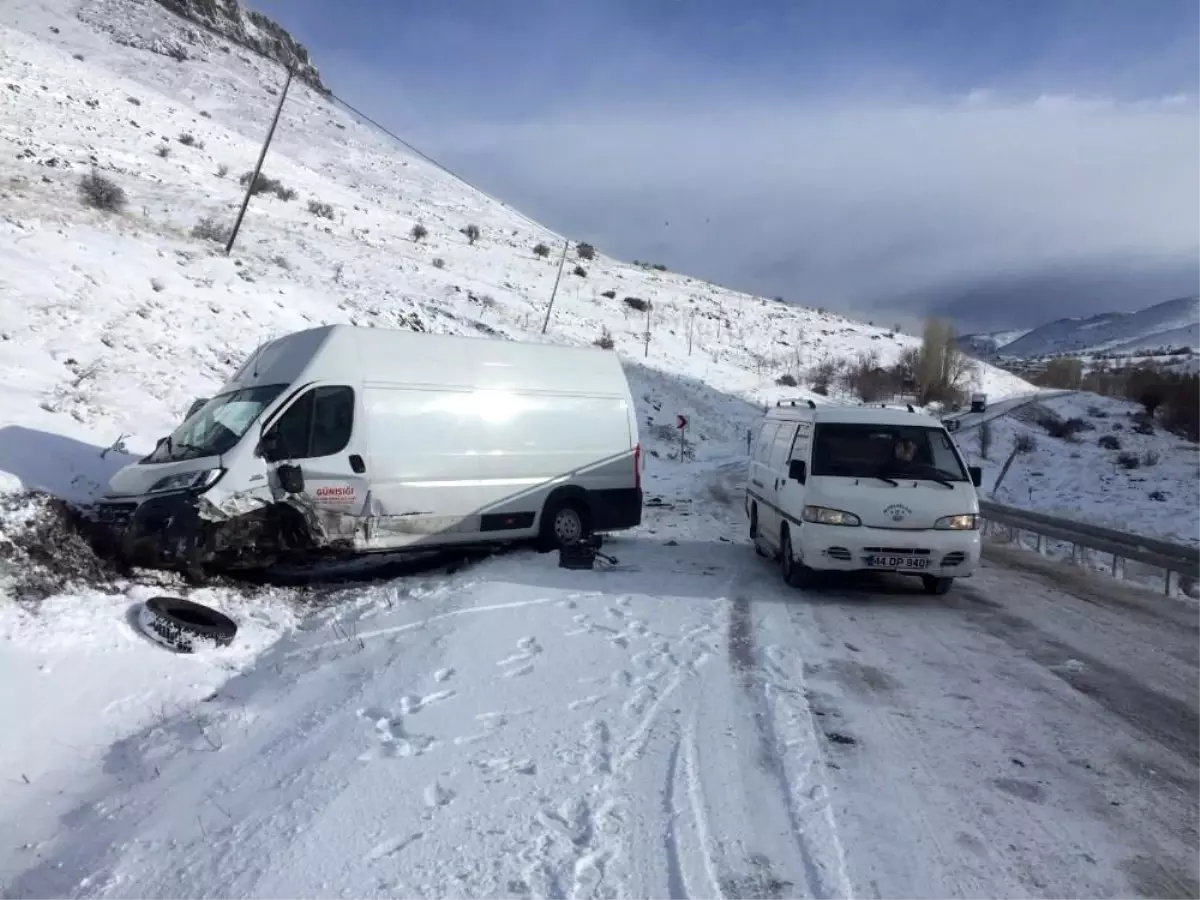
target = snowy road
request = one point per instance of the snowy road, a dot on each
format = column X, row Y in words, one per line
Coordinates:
column 685, row 727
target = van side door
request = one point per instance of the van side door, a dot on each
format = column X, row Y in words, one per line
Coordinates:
column 775, row 476
column 760, row 475
column 790, row 497
column 322, row 433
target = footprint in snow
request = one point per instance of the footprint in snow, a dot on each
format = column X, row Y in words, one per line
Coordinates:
column 436, row 795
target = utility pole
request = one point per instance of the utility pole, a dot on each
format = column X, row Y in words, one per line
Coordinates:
column 647, row 353
column 691, row 322
column 561, row 262
column 262, row 154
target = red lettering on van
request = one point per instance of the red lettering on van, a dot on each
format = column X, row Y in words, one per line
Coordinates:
column 344, row 492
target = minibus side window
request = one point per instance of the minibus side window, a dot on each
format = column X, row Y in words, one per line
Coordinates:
column 766, row 440
column 318, row 424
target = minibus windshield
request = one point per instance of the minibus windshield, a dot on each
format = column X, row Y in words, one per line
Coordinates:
column 865, row 450
column 217, row 426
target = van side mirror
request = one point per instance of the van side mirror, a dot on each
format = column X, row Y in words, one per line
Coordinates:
column 798, row 471
column 291, row 479
column 976, row 473
column 268, row 446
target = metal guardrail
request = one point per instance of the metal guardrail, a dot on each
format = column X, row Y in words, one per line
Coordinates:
column 1170, row 558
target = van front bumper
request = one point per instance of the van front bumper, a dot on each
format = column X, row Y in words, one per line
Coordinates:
column 158, row 530
column 944, row 554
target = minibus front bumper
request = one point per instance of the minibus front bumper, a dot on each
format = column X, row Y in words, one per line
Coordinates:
column 937, row 552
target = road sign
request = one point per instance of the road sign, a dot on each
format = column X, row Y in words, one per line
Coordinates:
column 681, row 422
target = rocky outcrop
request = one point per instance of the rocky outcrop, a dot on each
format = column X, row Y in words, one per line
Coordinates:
column 251, row 29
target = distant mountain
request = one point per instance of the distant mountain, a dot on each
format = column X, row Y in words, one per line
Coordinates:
column 985, row 345
column 1171, row 324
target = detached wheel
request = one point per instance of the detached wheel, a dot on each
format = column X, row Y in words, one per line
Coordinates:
column 935, row 585
column 564, row 522
column 181, row 624
column 795, row 574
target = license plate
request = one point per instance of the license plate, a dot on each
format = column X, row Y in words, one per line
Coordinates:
column 882, row 561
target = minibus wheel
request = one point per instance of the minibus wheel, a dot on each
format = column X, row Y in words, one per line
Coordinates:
column 935, row 585
column 565, row 522
column 795, row 574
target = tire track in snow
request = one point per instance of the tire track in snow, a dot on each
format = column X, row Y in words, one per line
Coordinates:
column 676, row 886
column 753, row 678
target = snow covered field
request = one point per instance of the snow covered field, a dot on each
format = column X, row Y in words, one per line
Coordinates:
column 680, row 726
column 1154, row 491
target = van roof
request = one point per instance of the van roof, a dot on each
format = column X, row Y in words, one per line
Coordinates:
column 879, row 415
column 355, row 354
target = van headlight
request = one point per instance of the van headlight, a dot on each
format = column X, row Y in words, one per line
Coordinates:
column 187, row 481
column 965, row 522
column 824, row 516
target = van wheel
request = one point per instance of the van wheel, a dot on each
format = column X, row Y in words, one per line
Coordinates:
column 564, row 523
column 935, row 585
column 795, row 574
column 758, row 548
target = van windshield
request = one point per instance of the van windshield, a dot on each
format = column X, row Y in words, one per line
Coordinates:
column 217, row 426
column 864, row 450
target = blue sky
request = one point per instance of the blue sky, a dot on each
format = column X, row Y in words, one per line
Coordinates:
column 864, row 154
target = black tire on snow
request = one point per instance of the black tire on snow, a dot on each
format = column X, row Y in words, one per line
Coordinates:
column 935, row 585
column 181, row 624
column 548, row 539
column 795, row 574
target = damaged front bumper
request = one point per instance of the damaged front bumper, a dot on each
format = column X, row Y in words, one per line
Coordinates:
column 159, row 532
column 184, row 530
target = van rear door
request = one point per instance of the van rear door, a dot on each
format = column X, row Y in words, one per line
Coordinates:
column 322, row 433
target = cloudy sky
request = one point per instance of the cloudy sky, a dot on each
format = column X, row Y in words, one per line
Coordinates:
column 1001, row 161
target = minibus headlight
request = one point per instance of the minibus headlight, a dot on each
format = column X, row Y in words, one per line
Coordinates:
column 821, row 515
column 187, row 481
column 965, row 522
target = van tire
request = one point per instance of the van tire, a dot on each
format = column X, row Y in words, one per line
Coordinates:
column 795, row 574
column 565, row 521
column 180, row 624
column 758, row 548
column 935, row 585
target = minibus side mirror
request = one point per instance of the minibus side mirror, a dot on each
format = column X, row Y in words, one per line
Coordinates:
column 976, row 473
column 291, row 479
column 798, row 471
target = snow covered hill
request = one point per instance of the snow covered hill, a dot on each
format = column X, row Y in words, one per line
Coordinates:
column 1168, row 325
column 112, row 323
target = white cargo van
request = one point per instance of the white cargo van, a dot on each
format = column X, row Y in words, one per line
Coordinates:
column 862, row 488
column 358, row 440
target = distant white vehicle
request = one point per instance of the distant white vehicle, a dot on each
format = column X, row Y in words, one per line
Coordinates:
column 862, row 488
column 978, row 402
column 362, row 439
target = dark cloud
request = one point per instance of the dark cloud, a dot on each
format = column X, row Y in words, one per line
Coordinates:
column 993, row 211
column 1025, row 299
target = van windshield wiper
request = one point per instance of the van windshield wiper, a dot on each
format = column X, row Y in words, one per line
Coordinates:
column 186, row 447
column 893, row 482
column 928, row 473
